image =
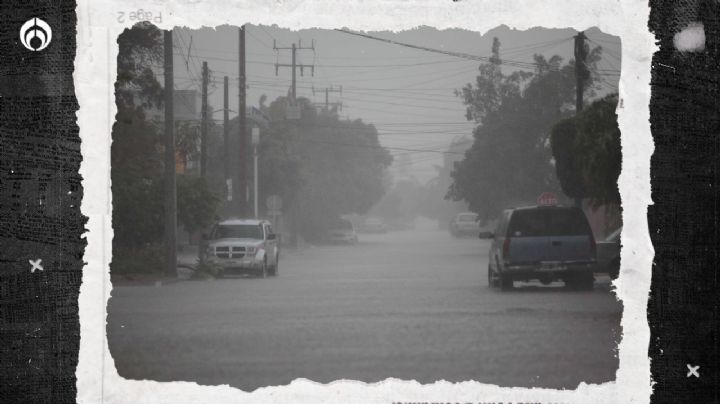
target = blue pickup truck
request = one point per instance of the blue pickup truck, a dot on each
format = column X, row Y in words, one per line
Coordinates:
column 547, row 243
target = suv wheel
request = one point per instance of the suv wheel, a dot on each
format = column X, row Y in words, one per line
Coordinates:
column 614, row 269
column 263, row 270
column 586, row 281
column 506, row 282
column 492, row 278
column 274, row 271
column 580, row 281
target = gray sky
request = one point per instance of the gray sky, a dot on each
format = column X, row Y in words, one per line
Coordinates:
column 406, row 93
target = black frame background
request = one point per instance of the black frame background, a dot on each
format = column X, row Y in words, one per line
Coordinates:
column 683, row 222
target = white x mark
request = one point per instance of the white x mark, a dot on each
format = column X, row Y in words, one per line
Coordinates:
column 35, row 265
column 693, row 371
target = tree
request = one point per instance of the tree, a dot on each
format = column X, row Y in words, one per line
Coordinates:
column 588, row 154
column 562, row 143
column 509, row 162
column 138, row 49
column 135, row 159
column 327, row 167
column 197, row 205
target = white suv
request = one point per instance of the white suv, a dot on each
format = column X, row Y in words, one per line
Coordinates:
column 243, row 246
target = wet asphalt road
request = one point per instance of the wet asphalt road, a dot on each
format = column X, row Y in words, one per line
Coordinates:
column 408, row 305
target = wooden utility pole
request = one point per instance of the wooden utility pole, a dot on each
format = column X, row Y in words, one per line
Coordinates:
column 581, row 70
column 240, row 171
column 581, row 76
column 226, row 132
column 294, row 48
column 328, row 90
column 293, row 114
column 204, row 122
column 170, row 192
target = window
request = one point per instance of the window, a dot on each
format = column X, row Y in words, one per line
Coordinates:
column 543, row 222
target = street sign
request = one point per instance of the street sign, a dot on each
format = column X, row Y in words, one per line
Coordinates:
column 255, row 136
column 547, row 199
column 273, row 203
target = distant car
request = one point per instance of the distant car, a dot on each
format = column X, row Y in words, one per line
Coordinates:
column 243, row 246
column 342, row 231
column 487, row 229
column 373, row 225
column 608, row 254
column 465, row 224
column 546, row 243
column 401, row 224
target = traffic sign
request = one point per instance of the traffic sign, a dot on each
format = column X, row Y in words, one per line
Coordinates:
column 547, row 199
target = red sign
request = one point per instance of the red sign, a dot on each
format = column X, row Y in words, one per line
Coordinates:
column 547, row 199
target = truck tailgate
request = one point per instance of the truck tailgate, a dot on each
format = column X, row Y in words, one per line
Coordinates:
column 550, row 248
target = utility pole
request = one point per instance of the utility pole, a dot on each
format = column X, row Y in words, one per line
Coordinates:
column 293, row 113
column 255, row 143
column 240, row 171
column 226, row 137
column 295, row 65
column 581, row 75
column 204, row 122
column 581, row 70
column 327, row 104
column 170, row 192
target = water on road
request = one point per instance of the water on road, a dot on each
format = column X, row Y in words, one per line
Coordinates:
column 408, row 305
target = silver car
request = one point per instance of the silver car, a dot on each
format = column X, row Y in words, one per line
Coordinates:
column 342, row 231
column 244, row 246
column 465, row 224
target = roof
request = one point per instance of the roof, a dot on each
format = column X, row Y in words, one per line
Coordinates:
column 242, row 221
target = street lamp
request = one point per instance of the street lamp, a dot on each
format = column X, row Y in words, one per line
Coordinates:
column 255, row 141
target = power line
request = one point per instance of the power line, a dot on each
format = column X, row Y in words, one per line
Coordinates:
column 515, row 63
column 341, row 66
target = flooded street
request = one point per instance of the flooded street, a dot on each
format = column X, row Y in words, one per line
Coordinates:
column 408, row 305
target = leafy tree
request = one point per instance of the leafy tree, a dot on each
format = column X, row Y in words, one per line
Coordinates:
column 588, row 146
column 136, row 162
column 509, row 162
column 562, row 143
column 324, row 166
column 138, row 49
column 197, row 205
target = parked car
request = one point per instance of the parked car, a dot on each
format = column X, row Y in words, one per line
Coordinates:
column 373, row 225
column 342, row 231
column 243, row 246
column 487, row 229
column 608, row 254
column 546, row 243
column 465, row 224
